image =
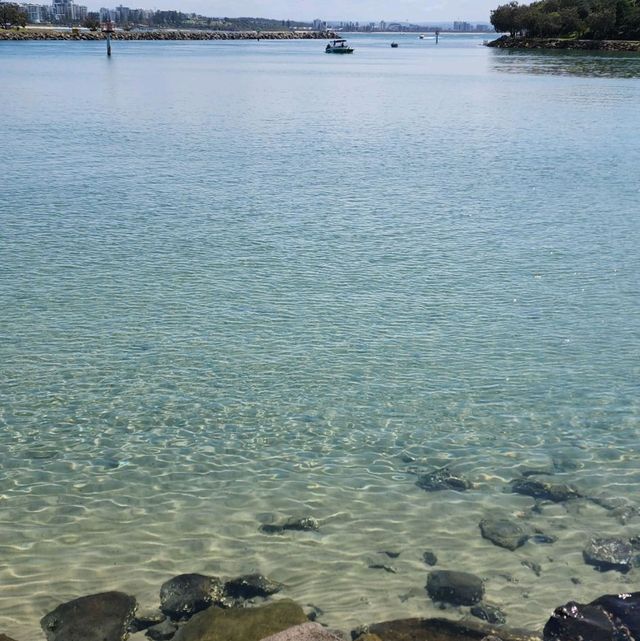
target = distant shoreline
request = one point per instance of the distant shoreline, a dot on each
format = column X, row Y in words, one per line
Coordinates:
column 172, row 34
column 507, row 42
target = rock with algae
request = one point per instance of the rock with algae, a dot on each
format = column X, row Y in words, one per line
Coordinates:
column 457, row 588
column 97, row 617
column 443, row 479
column 242, row 624
column 305, row 524
column 184, row 595
column 444, row 630
column 503, row 533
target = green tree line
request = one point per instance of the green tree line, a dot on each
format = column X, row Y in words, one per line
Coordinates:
column 12, row 16
column 588, row 19
column 178, row 19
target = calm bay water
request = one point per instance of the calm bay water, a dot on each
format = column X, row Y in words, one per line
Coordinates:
column 244, row 281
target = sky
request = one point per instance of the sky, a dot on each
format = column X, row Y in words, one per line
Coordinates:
column 362, row 10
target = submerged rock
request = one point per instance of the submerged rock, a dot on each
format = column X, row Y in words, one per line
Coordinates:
column 503, row 533
column 536, row 568
column 443, row 479
column 383, row 566
column 242, row 624
column 458, row 588
column 556, row 492
column 489, row 613
column 430, row 558
column 542, row 538
column 184, row 595
column 162, row 631
column 609, row 618
column 305, row 524
column 609, row 554
column 145, row 619
column 4, row 637
column 250, row 586
column 444, row 630
column 98, row 617
column 304, row 632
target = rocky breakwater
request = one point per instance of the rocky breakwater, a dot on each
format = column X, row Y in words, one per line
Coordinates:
column 53, row 34
column 507, row 42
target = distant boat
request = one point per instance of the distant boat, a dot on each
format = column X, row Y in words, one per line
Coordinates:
column 394, row 45
column 338, row 46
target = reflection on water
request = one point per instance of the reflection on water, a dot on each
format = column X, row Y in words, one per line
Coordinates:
column 592, row 64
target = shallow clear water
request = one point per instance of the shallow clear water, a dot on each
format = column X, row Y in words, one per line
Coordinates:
column 247, row 280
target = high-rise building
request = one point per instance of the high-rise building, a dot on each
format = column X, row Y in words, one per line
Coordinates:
column 36, row 13
column 66, row 11
column 122, row 14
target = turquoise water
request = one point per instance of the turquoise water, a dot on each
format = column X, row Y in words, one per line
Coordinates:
column 244, row 281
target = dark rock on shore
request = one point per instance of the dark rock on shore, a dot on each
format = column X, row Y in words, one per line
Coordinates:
column 4, row 637
column 98, row 617
column 506, row 42
column 556, row 492
column 457, row 588
column 242, row 624
column 305, row 524
column 503, row 533
column 489, row 613
column 250, row 586
column 443, row 630
column 609, row 554
column 608, row 618
column 443, row 479
column 430, row 558
column 184, row 595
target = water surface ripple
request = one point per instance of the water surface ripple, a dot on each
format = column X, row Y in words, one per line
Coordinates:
column 247, row 280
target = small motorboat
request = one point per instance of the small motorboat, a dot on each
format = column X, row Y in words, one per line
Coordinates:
column 394, row 45
column 338, row 46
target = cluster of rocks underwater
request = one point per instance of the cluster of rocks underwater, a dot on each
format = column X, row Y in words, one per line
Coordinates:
column 196, row 607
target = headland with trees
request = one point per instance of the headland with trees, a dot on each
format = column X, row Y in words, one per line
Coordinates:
column 565, row 24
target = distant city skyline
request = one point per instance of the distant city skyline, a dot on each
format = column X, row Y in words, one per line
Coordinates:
column 332, row 10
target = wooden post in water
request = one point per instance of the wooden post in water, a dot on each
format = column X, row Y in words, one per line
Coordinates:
column 107, row 29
